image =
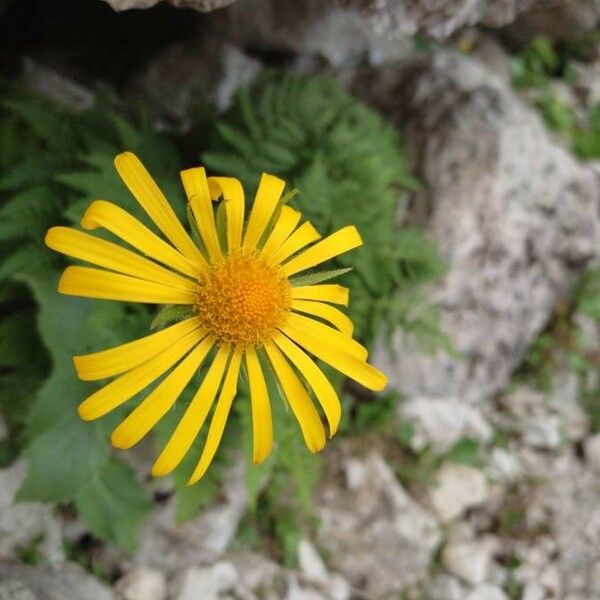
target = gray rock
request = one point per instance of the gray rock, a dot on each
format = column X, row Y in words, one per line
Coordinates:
column 534, row 591
column 457, row 488
column 592, row 452
column 69, row 582
column 504, row 466
column 374, row 534
column 314, row 571
column 445, row 587
column 257, row 572
column 565, row 401
column 206, row 583
column 442, row 421
column 316, row 31
column 15, row 589
column 587, row 82
column 570, row 501
column 527, row 413
column 169, row 547
column 439, row 18
column 297, row 592
column 200, row 5
column 505, row 203
column 562, row 20
column 142, row 584
column 56, row 87
column 493, row 55
column 469, row 560
column 544, row 421
column 487, row 591
column 24, row 522
column 310, row 563
column 175, row 81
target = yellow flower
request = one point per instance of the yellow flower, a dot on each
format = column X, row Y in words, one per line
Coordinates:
column 244, row 301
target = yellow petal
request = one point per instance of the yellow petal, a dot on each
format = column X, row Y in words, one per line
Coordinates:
column 336, row 294
column 126, row 386
column 147, row 193
column 119, row 222
column 119, row 359
column 333, row 336
column 298, row 399
column 196, row 189
column 304, row 235
column 268, row 194
column 321, row 386
column 106, row 254
column 233, row 196
column 219, row 419
column 95, row 283
column 262, row 424
column 161, row 399
column 337, row 243
column 286, row 222
column 333, row 354
column 328, row 313
column 191, row 423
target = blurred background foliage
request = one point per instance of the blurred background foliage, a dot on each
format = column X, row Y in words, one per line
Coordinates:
column 348, row 166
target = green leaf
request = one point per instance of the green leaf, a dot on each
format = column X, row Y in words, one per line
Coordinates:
column 588, row 295
column 405, row 433
column 18, row 341
column 129, row 136
column 466, row 451
column 114, row 504
column 319, row 277
column 66, row 452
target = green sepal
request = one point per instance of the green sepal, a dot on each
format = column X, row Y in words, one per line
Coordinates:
column 193, row 225
column 173, row 313
column 319, row 277
column 288, row 196
column 221, row 224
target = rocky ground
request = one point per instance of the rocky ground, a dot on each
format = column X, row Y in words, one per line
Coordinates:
column 520, row 521
column 495, row 494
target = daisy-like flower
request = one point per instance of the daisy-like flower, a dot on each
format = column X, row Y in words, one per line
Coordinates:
column 244, row 304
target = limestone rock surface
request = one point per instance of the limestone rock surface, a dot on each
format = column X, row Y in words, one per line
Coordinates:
column 200, row 5
column 373, row 532
column 515, row 217
column 441, row 18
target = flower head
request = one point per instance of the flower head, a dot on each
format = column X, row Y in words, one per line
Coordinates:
column 246, row 311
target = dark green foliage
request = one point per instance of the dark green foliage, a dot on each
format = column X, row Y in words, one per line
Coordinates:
column 586, row 141
column 540, row 63
column 349, row 168
column 53, row 162
column 536, row 64
column 113, row 503
column 588, row 296
column 544, row 59
column 348, row 165
column 466, row 451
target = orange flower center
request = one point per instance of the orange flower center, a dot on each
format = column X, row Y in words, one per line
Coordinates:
column 243, row 300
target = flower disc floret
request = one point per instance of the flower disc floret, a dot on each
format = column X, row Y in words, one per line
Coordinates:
column 243, row 300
